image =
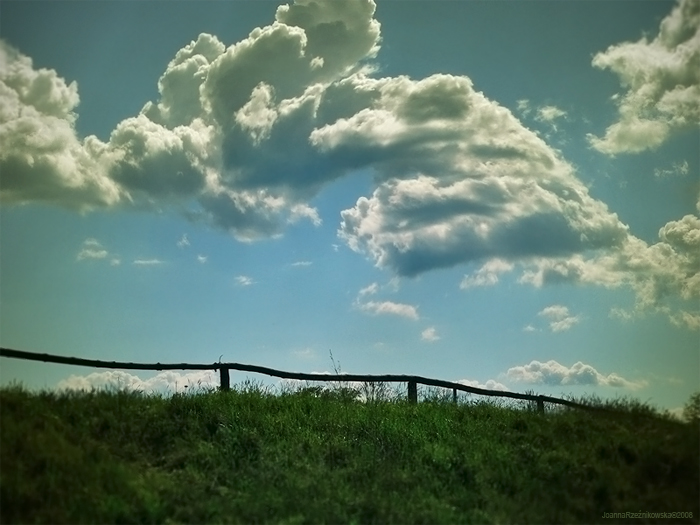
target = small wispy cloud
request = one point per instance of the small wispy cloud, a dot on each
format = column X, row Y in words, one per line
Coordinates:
column 302, row 211
column 489, row 385
column 183, row 242
column 429, row 334
column 690, row 320
column 148, row 262
column 487, row 275
column 549, row 114
column 302, row 263
column 529, row 328
column 390, row 308
column 369, row 290
column 676, row 168
column 524, row 107
column 92, row 249
column 244, row 280
column 384, row 307
column 559, row 318
column 621, row 314
column 394, row 284
column 202, row 258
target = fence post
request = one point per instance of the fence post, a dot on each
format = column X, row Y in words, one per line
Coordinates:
column 225, row 381
column 412, row 392
column 540, row 405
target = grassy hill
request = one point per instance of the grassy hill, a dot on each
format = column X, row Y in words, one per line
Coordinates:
column 315, row 456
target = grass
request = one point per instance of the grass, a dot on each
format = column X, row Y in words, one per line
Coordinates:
column 321, row 456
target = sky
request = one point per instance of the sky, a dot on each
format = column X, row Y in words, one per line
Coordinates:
column 502, row 193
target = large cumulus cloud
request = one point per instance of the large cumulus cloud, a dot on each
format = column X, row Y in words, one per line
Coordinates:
column 226, row 143
column 41, row 158
column 461, row 180
column 243, row 137
column 662, row 78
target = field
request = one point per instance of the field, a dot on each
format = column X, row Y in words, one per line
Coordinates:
column 322, row 456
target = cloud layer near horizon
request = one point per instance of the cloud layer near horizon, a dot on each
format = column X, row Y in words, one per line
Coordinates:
column 553, row 373
column 550, row 373
column 243, row 137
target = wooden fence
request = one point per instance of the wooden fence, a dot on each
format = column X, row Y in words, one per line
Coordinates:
column 224, row 368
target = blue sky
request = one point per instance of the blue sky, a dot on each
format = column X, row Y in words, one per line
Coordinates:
column 504, row 193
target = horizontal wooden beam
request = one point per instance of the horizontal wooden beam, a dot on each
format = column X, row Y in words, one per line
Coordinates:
column 385, row 378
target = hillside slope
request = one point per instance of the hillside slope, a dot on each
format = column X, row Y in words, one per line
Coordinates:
column 248, row 456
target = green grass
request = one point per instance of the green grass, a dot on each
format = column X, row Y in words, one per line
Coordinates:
column 319, row 456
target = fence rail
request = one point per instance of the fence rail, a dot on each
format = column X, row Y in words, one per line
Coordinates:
column 224, row 369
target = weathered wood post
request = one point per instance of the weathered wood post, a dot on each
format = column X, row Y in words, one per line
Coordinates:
column 412, row 392
column 454, row 395
column 540, row 405
column 225, row 381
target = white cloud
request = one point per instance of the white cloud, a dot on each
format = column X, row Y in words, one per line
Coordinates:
column 549, row 114
column 553, row 374
column 662, row 78
column 148, row 262
column 489, row 385
column 244, row 280
column 250, row 133
column 368, row 290
column 429, row 334
column 621, row 314
column 669, row 268
column 676, row 168
column 690, row 320
column 42, row 159
column 92, row 249
column 91, row 253
column 164, row 382
column 523, row 105
column 258, row 115
column 529, row 328
column 225, row 114
column 559, row 318
column 202, row 258
column 302, row 263
column 461, row 181
column 183, row 242
column 389, row 308
column 213, row 137
column 384, row 307
column 487, row 275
